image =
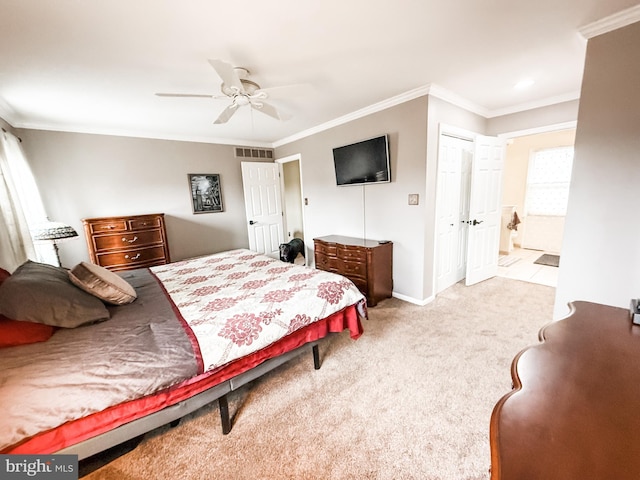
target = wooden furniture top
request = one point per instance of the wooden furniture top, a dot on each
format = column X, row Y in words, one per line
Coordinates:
column 356, row 242
column 574, row 412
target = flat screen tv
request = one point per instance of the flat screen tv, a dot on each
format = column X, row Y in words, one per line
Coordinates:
column 363, row 162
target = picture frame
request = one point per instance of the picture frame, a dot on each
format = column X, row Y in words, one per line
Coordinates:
column 206, row 192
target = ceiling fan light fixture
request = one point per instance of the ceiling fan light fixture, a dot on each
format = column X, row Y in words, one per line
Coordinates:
column 242, row 100
column 249, row 86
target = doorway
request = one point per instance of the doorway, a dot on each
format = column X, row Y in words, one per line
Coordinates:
column 541, row 227
column 292, row 200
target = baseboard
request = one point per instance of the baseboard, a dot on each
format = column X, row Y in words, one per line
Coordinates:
column 415, row 301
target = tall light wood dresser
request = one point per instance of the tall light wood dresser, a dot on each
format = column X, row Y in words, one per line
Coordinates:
column 125, row 243
column 367, row 263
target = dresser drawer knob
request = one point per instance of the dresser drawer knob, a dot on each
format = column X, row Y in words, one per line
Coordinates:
column 137, row 256
column 125, row 239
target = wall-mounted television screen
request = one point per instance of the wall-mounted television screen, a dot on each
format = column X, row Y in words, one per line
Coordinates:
column 363, row 162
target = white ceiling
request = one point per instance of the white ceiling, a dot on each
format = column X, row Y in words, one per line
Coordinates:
column 94, row 66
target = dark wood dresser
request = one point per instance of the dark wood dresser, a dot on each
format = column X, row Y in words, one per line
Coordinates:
column 367, row 263
column 574, row 411
column 125, row 243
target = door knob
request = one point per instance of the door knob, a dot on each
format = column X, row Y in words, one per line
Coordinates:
column 251, row 222
column 476, row 222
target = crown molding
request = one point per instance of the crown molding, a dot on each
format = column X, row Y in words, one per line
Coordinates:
column 545, row 102
column 430, row 89
column 537, row 130
column 143, row 134
column 363, row 112
column 610, row 23
column 455, row 99
column 7, row 113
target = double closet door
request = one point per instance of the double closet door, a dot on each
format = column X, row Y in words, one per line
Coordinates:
column 468, row 213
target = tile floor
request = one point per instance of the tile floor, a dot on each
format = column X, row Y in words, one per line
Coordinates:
column 524, row 268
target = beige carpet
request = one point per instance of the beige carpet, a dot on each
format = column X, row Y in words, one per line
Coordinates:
column 411, row 399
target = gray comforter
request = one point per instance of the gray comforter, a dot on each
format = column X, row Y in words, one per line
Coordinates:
column 140, row 350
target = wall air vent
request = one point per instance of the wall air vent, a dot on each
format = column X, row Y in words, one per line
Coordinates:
column 246, row 152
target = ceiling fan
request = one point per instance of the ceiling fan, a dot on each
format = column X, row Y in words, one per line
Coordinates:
column 237, row 87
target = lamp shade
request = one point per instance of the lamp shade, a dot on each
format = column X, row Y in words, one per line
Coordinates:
column 52, row 231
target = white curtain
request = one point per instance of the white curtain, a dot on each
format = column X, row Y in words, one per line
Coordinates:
column 20, row 206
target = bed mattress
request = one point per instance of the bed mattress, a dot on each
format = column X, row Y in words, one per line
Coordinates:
column 195, row 324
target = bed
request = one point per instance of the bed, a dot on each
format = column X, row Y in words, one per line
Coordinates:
column 194, row 331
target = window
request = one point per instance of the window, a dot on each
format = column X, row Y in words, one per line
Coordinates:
column 548, row 181
column 20, row 204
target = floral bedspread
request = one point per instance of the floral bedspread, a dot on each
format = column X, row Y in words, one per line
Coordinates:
column 238, row 302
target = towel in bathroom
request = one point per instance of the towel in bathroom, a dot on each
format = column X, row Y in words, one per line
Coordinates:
column 513, row 224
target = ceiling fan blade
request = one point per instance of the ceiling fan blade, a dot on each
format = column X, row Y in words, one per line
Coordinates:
column 270, row 110
column 185, row 95
column 228, row 74
column 226, row 114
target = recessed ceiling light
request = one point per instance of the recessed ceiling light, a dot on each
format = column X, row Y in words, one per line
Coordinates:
column 524, row 83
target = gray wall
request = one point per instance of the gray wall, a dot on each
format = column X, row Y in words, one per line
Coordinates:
column 82, row 175
column 379, row 212
column 600, row 259
column 558, row 114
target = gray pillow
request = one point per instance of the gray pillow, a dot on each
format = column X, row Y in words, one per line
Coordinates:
column 42, row 293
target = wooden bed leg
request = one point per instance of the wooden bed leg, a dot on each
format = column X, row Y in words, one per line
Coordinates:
column 316, row 357
column 223, row 403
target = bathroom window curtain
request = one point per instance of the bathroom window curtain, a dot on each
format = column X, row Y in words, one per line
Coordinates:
column 20, row 206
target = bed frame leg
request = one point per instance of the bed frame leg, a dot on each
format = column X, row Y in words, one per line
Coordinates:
column 175, row 423
column 316, row 357
column 223, row 403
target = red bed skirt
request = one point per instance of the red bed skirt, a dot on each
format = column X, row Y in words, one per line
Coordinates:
column 97, row 423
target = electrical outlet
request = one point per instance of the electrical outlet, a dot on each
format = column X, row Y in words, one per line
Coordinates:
column 413, row 198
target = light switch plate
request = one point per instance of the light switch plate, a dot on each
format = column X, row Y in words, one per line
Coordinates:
column 413, row 199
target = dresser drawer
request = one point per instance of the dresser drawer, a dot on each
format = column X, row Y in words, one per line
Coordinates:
column 324, row 262
column 110, row 226
column 133, row 256
column 127, row 240
column 144, row 222
column 326, row 249
column 351, row 253
column 354, row 269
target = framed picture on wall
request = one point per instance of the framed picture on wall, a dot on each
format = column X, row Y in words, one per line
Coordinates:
column 206, row 194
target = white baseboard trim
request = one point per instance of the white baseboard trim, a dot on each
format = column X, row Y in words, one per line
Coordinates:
column 415, row 301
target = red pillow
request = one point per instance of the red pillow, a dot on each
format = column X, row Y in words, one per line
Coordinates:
column 3, row 275
column 14, row 332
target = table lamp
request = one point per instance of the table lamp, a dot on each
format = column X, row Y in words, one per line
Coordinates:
column 53, row 231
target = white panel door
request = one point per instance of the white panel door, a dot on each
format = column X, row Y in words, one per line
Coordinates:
column 263, row 204
column 485, row 209
column 453, row 184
